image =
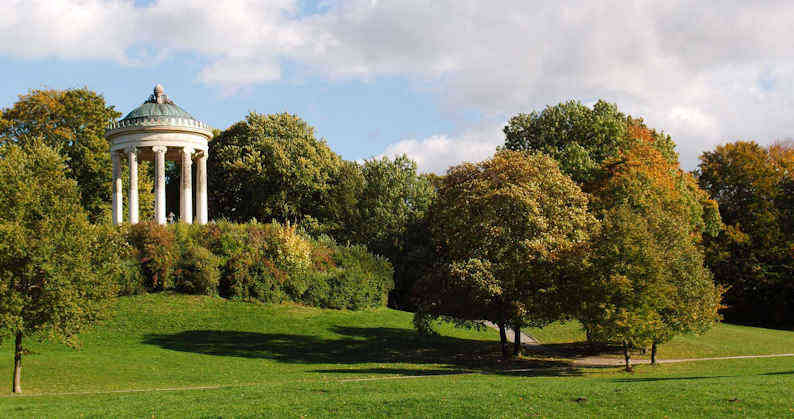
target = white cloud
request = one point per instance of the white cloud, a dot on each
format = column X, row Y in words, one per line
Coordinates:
column 705, row 72
column 438, row 152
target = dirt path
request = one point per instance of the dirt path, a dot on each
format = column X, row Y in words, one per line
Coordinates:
column 525, row 339
column 613, row 362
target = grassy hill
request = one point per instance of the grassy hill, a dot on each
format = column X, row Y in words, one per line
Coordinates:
column 165, row 355
column 722, row 340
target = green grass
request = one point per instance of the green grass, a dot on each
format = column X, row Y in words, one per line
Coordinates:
column 289, row 360
column 722, row 340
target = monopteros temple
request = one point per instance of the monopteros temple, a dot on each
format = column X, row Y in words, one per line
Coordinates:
column 159, row 130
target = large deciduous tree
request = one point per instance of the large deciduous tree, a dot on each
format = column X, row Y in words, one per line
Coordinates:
column 73, row 122
column 754, row 256
column 271, row 167
column 647, row 281
column 55, row 280
column 503, row 228
column 387, row 214
column 648, row 259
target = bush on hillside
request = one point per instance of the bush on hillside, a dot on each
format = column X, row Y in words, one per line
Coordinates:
column 270, row 263
column 197, row 272
column 154, row 247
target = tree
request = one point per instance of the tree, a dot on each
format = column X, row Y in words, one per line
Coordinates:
column 753, row 257
column 576, row 136
column 55, row 280
column 654, row 218
column 270, row 167
column 502, row 229
column 73, row 122
column 647, row 281
column 387, row 214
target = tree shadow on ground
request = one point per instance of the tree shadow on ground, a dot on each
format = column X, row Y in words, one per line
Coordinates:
column 356, row 345
column 574, row 350
column 652, row 379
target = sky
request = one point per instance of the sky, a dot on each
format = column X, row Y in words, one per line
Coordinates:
column 436, row 80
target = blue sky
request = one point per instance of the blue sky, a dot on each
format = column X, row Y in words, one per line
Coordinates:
column 435, row 80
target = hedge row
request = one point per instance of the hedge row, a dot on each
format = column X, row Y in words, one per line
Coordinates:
column 263, row 262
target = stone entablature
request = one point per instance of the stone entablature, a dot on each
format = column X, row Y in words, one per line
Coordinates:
column 168, row 121
column 159, row 136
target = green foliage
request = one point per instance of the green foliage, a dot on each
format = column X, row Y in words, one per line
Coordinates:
column 73, row 122
column 503, row 228
column 271, row 263
column 754, row 256
column 197, row 271
column 578, row 137
column 54, row 276
column 270, row 167
column 385, row 205
column 154, row 247
column 647, row 281
column 357, row 280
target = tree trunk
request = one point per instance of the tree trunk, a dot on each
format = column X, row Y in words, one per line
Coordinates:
column 503, row 338
column 627, row 355
column 516, row 340
column 17, row 388
column 653, row 353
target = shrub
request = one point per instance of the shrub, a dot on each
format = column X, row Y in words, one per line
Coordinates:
column 197, row 271
column 358, row 280
column 270, row 263
column 154, row 247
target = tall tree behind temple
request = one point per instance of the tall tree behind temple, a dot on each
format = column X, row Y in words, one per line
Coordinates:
column 270, row 167
column 73, row 122
column 754, row 255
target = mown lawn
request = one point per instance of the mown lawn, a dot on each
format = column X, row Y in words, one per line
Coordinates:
column 722, row 340
column 288, row 360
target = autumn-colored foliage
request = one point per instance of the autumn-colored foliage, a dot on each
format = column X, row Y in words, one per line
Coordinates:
column 754, row 256
column 503, row 228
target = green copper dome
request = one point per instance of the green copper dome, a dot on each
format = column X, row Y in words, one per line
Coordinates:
column 157, row 105
column 158, row 110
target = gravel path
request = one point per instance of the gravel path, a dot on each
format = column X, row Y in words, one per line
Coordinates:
column 525, row 339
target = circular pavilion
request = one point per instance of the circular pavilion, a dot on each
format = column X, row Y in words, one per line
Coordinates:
column 159, row 130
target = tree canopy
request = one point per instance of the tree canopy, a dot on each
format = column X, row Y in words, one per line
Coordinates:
column 647, row 258
column 72, row 122
column 270, row 167
column 754, row 255
column 647, row 280
column 502, row 228
column 386, row 212
column 55, row 273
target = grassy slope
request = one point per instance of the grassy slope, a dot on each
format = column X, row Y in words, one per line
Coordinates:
column 722, row 340
column 292, row 361
column 163, row 340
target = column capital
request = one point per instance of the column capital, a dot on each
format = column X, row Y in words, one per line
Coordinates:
column 202, row 153
column 131, row 149
column 159, row 149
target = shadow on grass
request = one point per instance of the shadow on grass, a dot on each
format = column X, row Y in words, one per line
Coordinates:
column 652, row 379
column 356, row 345
column 575, row 350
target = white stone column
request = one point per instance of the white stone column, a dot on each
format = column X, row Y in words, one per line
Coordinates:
column 132, row 157
column 118, row 203
column 201, row 188
column 159, row 183
column 186, row 187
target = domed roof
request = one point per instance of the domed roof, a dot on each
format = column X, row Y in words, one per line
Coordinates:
column 158, row 104
column 158, row 110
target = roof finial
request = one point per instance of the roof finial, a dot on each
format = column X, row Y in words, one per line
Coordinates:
column 159, row 96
